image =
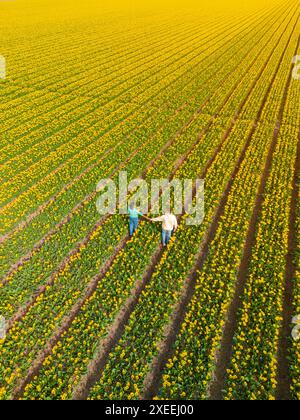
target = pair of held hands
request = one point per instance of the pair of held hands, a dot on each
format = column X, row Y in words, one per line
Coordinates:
column 147, row 218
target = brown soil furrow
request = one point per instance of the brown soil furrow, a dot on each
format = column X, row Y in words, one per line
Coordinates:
column 283, row 377
column 225, row 352
column 152, row 382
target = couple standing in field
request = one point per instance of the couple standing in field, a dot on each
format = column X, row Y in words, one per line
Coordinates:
column 168, row 220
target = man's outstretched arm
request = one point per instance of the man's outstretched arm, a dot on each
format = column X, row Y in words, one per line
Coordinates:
column 158, row 219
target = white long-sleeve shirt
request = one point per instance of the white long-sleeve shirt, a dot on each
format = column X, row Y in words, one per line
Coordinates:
column 169, row 221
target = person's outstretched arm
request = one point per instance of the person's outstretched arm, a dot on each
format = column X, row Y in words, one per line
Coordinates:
column 158, row 219
column 175, row 223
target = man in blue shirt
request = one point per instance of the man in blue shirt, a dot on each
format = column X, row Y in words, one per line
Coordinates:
column 134, row 215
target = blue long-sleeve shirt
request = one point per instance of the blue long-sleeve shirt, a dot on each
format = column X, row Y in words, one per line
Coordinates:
column 134, row 213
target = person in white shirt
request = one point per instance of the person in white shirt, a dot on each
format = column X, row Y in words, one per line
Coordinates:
column 169, row 226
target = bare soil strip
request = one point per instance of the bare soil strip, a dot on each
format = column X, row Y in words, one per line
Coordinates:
column 153, row 381
column 283, row 391
column 225, row 352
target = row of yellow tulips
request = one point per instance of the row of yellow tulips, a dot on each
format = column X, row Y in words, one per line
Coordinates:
column 137, row 348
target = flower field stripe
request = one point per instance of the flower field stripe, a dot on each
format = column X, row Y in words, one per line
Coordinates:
column 38, row 167
column 35, row 104
column 89, row 289
column 18, row 113
column 83, row 89
column 154, row 255
column 109, row 49
column 115, row 319
column 267, row 300
column 205, row 275
column 103, row 346
column 196, row 154
column 216, row 388
column 26, row 241
column 50, row 81
column 96, row 83
column 42, row 258
column 42, row 77
column 263, row 383
column 85, row 101
column 197, row 90
column 129, row 390
column 94, row 193
column 75, row 43
column 285, row 375
column 68, row 89
column 286, row 378
column 224, row 354
column 106, row 53
column 294, row 351
column 169, row 20
column 127, row 308
column 120, row 33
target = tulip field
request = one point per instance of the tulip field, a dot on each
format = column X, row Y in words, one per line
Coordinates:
column 161, row 90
